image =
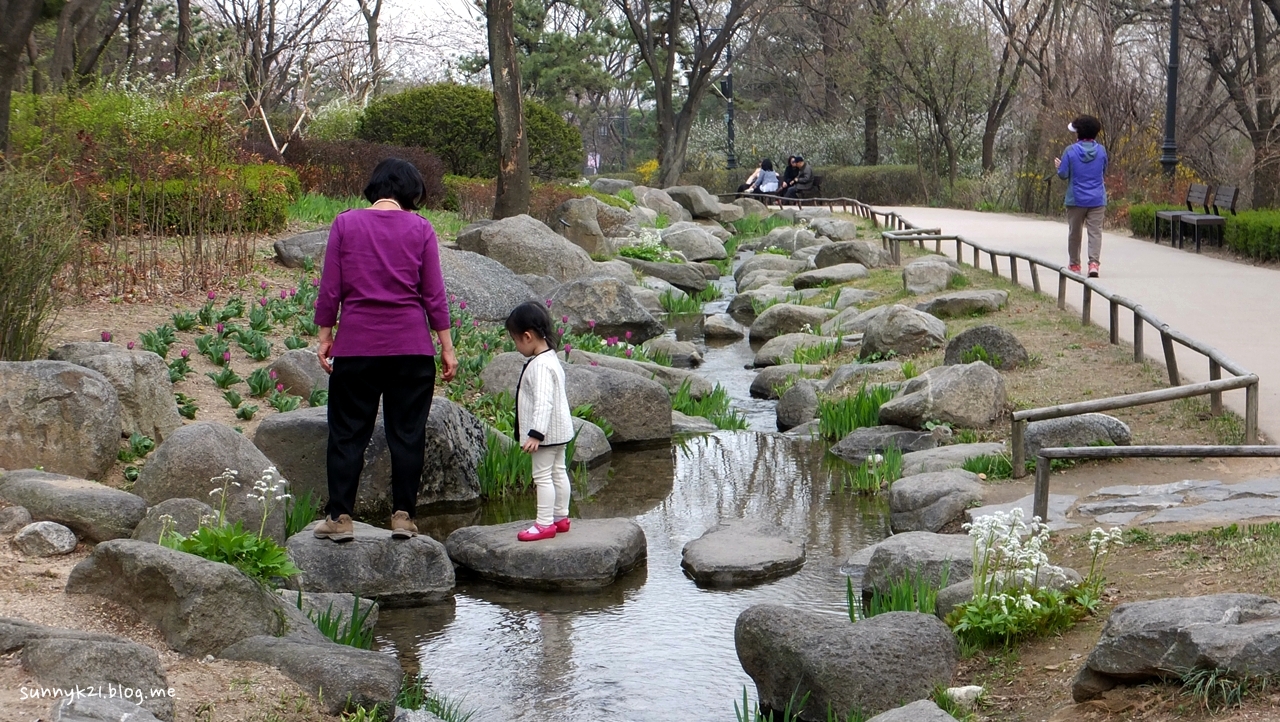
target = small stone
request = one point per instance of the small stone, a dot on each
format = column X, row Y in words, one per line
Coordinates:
column 721, row 326
column 741, row 552
column 966, row 696
column 685, row 424
column 591, row 556
column 924, row 710
column 927, row 276
column 13, row 518
column 45, row 539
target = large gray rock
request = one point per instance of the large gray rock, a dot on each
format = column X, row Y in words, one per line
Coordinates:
column 45, row 539
column 395, row 572
column 70, row 663
column 742, row 307
column 789, row 238
column 615, row 269
column 1059, row 506
column 784, row 318
column 929, row 502
column 681, row 275
column 867, row 254
column 697, row 200
column 638, row 408
column 965, row 303
column 300, row 372
column 1232, row 633
column 721, row 326
column 830, row 275
column 922, row 710
column 695, row 243
column 591, row 447
column 852, row 320
column 671, row 378
column 189, row 599
column 782, row 349
column 767, row 381
column 93, row 511
column 994, row 340
column 294, row 251
column 296, row 444
column 608, row 303
column 730, row 212
column 59, row 416
column 767, row 262
column 183, row 467
column 928, row 275
column 615, row 222
column 861, row 443
column 798, row 405
column 98, row 709
column 871, row 666
column 612, row 186
column 683, row 354
column 13, row 518
column 591, row 556
column 850, row 377
column 577, row 222
column 184, row 517
column 141, row 381
column 837, row 229
column 763, row 278
column 644, row 217
column 526, row 245
column 1082, row 430
column 752, row 208
column 543, row 286
column 658, row 200
column 854, row 297
column 741, row 552
column 685, row 424
column 902, row 331
column 489, row 288
column 946, row 457
column 971, row 396
column 937, row 558
column 335, row 673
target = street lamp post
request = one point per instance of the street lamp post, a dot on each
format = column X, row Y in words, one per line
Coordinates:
column 1169, row 149
column 726, row 87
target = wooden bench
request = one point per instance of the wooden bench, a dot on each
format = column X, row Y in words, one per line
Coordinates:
column 1197, row 194
column 1224, row 200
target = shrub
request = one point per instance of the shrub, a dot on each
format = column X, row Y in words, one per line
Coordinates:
column 1255, row 234
column 37, row 237
column 456, row 123
column 1142, row 217
column 342, row 168
column 335, row 120
column 878, row 185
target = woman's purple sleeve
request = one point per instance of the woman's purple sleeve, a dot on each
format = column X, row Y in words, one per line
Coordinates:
column 330, row 279
column 433, row 293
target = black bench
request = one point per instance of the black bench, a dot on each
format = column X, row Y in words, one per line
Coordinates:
column 1197, row 194
column 1224, row 200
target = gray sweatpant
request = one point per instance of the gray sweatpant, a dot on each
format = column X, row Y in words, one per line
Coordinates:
column 1078, row 217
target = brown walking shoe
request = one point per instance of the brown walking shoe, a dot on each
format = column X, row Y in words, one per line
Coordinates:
column 402, row 527
column 339, row 530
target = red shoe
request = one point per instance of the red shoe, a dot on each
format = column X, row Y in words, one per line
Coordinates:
column 1093, row 270
column 537, row 532
column 1074, row 268
column 562, row 525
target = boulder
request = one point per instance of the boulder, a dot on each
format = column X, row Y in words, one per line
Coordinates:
column 784, row 318
column 762, row 278
column 611, row 186
column 767, row 381
column 919, row 555
column 184, row 466
column 638, row 408
column 686, row 424
column 694, row 243
column 849, row 377
column 721, row 326
column 931, row 501
column 591, row 556
column 98, row 709
column 609, row 304
column 904, row 332
column 871, row 666
column 730, row 213
column 683, row 354
column 335, row 673
column 489, row 288
column 543, row 286
column 187, row 598
column 649, row 299
column 59, row 416
column 709, row 271
column 861, row 443
column 767, row 262
column 670, row 378
column 928, row 276
column 395, row 572
column 141, row 381
column 576, row 221
column 295, row 251
column 119, row 665
column 300, row 372
column 644, row 217
column 526, row 245
column 93, row 511
column 922, row 710
column 614, row 269
column 296, row 443
column 1233, row 633
column 658, row 200
column 971, row 396
column 998, row 344
column 805, row 254
column 741, row 552
column 752, row 208
column 697, row 200
column 184, row 518
column 782, row 349
column 742, row 307
column 965, row 303
column 837, row 229
column 13, row 518
column 851, row 320
column 660, row 286
column 591, row 447
column 1082, row 430
column 946, row 457
column 788, row 238
column 681, row 275
column 798, row 404
column 867, row 254
column 854, row 297
column 830, row 275
column 45, row 539
column 615, row 222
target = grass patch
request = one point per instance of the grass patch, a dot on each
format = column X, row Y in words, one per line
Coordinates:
column 316, row 209
column 992, row 466
column 338, row 628
column 504, row 469
column 714, row 407
column 753, row 226
column 837, row 418
column 912, row 593
column 302, row 510
column 815, row 354
column 978, row 353
column 627, row 195
column 791, row 713
column 875, row 474
column 679, row 305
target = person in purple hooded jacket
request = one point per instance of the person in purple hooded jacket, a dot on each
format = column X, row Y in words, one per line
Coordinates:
column 1083, row 165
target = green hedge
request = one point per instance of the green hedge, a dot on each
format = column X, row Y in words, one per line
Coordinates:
column 1142, row 217
column 455, row 122
column 251, row 198
column 1255, row 234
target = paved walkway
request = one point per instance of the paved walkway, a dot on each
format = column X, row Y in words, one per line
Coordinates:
column 1231, row 306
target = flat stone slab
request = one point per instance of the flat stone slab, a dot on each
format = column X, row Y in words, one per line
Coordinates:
column 395, row 572
column 946, row 457
column 1059, row 505
column 1219, row 512
column 93, row 511
column 1140, row 503
column 741, row 552
column 1118, row 518
column 592, row 555
column 1176, row 487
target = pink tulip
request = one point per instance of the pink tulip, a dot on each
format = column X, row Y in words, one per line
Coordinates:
column 549, row 302
column 184, row 353
column 219, row 327
column 593, row 363
column 486, row 346
column 628, row 353
column 213, row 295
column 475, row 323
column 226, row 356
column 628, row 335
column 262, row 302
column 568, row 348
column 273, row 374
column 462, row 305
column 106, row 336
column 564, row 319
column 292, row 292
column 130, row 345
column 263, row 285
column 280, row 388
column 611, row 341
column 283, row 295
column 452, row 297
column 591, row 322
column 315, row 282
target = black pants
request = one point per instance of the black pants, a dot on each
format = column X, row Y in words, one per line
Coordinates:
column 405, row 385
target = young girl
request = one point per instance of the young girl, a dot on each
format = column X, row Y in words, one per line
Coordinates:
column 543, row 422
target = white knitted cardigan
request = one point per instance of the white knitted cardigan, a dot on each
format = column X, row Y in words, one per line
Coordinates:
column 542, row 407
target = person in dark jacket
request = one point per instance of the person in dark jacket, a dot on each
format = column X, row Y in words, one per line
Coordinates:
column 1083, row 165
column 788, row 174
column 803, row 181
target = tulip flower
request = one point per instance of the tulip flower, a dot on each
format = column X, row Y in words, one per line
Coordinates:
column 226, row 356
column 184, row 353
column 213, row 295
column 130, row 345
column 106, row 336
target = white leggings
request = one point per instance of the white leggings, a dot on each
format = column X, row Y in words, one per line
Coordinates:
column 552, row 479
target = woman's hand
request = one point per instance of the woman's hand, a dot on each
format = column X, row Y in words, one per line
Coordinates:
column 530, row 445
column 326, row 345
column 450, row 362
column 1057, row 163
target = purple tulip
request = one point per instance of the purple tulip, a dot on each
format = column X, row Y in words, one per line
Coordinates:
column 280, row 388
column 262, row 302
column 462, row 305
column 591, row 322
column 628, row 335
column 452, row 297
column 106, row 336
column 292, row 292
column 273, row 374
column 568, row 348
column 628, row 353
column 486, row 346
column 219, row 327
column 213, row 295
column 226, row 356
column 130, row 345
column 315, row 282
column 611, row 341
column 593, row 363
column 564, row 319
column 457, row 322
column 549, row 302
column 560, row 331
column 184, row 353
column 283, row 295
column 263, row 285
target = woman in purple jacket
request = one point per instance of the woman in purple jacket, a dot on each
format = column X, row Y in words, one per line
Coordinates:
column 382, row 270
column 1083, row 165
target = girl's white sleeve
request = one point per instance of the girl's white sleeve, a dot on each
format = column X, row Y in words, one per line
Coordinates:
column 544, row 385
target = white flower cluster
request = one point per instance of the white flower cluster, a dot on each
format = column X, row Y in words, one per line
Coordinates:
column 1101, row 541
column 269, row 487
column 1008, row 553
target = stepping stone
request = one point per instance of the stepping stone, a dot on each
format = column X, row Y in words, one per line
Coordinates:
column 1139, row 504
column 591, row 556
column 395, row 572
column 1119, row 518
column 742, row 552
column 1176, row 487
column 1219, row 512
column 1059, row 505
column 1259, row 488
column 929, row 502
column 946, row 457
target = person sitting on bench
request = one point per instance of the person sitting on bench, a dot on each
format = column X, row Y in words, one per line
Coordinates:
column 803, row 182
column 764, row 180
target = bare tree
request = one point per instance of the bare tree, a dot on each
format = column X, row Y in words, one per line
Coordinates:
column 1019, row 21
column 273, row 38
column 508, row 112
column 371, row 10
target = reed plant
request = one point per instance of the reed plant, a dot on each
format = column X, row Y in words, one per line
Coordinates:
column 504, row 468
column 912, row 593
column 754, row 226
column 679, row 305
column 875, row 474
column 715, row 407
column 990, row 466
column 335, row 625
column 837, row 418
column 816, row 353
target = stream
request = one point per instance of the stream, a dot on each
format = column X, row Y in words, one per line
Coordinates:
column 653, row 646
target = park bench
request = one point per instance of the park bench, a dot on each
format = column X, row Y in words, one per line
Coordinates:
column 1197, row 194
column 1224, row 200
column 814, row 191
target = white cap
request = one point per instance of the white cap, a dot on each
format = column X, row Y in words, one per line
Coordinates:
column 1071, row 127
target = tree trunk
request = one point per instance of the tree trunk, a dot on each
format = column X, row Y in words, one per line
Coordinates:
column 1266, row 173
column 134, row 30
column 19, row 18
column 508, row 112
column 671, row 153
column 830, row 58
column 181, row 57
column 33, row 59
column 371, row 16
column 989, row 147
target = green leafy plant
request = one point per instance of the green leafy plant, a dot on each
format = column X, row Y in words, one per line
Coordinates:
column 179, row 368
column 755, row 226
column 257, row 346
column 715, row 407
column 234, row 308
column 186, row 405
column 711, row 293
column 213, row 348
column 260, row 382
column 791, row 712
column 587, row 412
column 992, row 466
column 957, row 280
column 282, row 402
column 679, row 305
column 257, row 557
column 233, row 398
column 301, row 510
column 318, row 397
column 307, row 327
column 816, row 353
column 139, row 446
column 977, row 353
column 414, row 695
column 649, row 250
column 504, row 469
column 184, row 320
column 224, row 379
column 912, row 593
column 158, row 340
column 336, row 626
column 776, row 251
column 260, row 319
column 910, row 370
column 875, row 474
column 1215, row 690
column 293, row 343
column 837, row 418
column 246, row 412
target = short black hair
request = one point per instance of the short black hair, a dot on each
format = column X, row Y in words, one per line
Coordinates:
column 766, row 164
column 399, row 180
column 1087, row 127
column 531, row 316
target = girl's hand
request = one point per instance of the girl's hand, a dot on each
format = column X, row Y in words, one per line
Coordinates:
column 450, row 361
column 1057, row 163
column 530, row 445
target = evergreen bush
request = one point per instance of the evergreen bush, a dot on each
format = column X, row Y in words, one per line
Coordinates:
column 1255, row 234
